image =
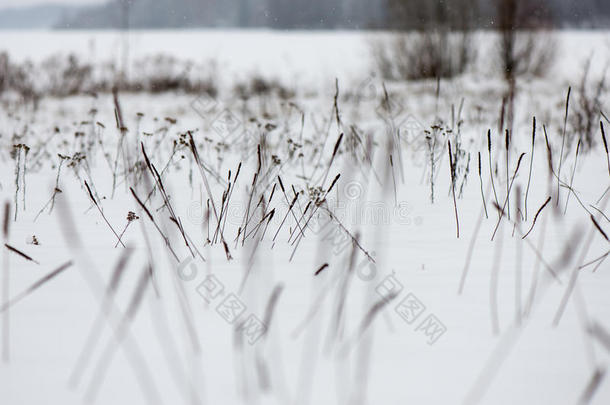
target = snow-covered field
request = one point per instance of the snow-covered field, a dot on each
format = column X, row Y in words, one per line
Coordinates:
column 303, row 250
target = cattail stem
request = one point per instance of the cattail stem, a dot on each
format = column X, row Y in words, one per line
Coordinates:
column 563, row 141
column 481, row 183
column 6, row 287
column 536, row 217
column 17, row 176
column 452, row 172
column 394, row 181
column 491, row 172
column 529, row 178
column 20, row 253
column 518, row 262
column 601, row 125
column 507, row 144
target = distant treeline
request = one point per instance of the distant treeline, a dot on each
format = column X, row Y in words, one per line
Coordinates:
column 334, row 14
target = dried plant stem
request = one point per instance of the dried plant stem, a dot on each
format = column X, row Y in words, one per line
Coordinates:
column 491, row 172
column 6, row 286
column 166, row 200
column 507, row 144
column 17, row 175
column 575, row 272
column 599, row 228
column 536, row 217
column 20, row 253
column 572, row 177
column 122, row 233
column 598, row 260
column 537, row 252
column 473, row 240
column 98, row 323
column 25, row 163
column 518, row 263
column 481, row 184
column 121, row 332
column 529, row 177
column 563, row 141
column 56, row 190
column 493, row 287
column 102, row 213
column 8, row 304
column 452, row 172
column 507, row 196
column 601, row 125
column 535, row 275
column 149, row 215
column 393, row 181
column 208, row 190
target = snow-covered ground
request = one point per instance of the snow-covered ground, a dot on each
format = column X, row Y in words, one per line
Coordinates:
column 379, row 301
column 296, row 56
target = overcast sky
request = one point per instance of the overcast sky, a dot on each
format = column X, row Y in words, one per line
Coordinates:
column 21, row 3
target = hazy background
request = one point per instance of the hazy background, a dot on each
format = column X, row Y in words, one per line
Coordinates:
column 283, row 14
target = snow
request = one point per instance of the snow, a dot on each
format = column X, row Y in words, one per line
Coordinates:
column 289, row 55
column 305, row 356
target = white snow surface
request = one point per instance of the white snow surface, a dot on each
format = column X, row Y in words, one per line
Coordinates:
column 329, row 339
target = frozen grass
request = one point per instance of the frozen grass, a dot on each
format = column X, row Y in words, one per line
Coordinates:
column 325, row 213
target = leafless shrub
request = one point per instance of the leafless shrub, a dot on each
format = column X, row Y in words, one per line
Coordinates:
column 61, row 76
column 526, row 53
column 164, row 73
column 525, row 46
column 4, row 71
column 427, row 54
column 158, row 74
column 586, row 113
column 260, row 86
column 66, row 76
column 434, row 41
column 17, row 78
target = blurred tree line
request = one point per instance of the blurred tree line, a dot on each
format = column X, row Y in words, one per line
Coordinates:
column 332, row 14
